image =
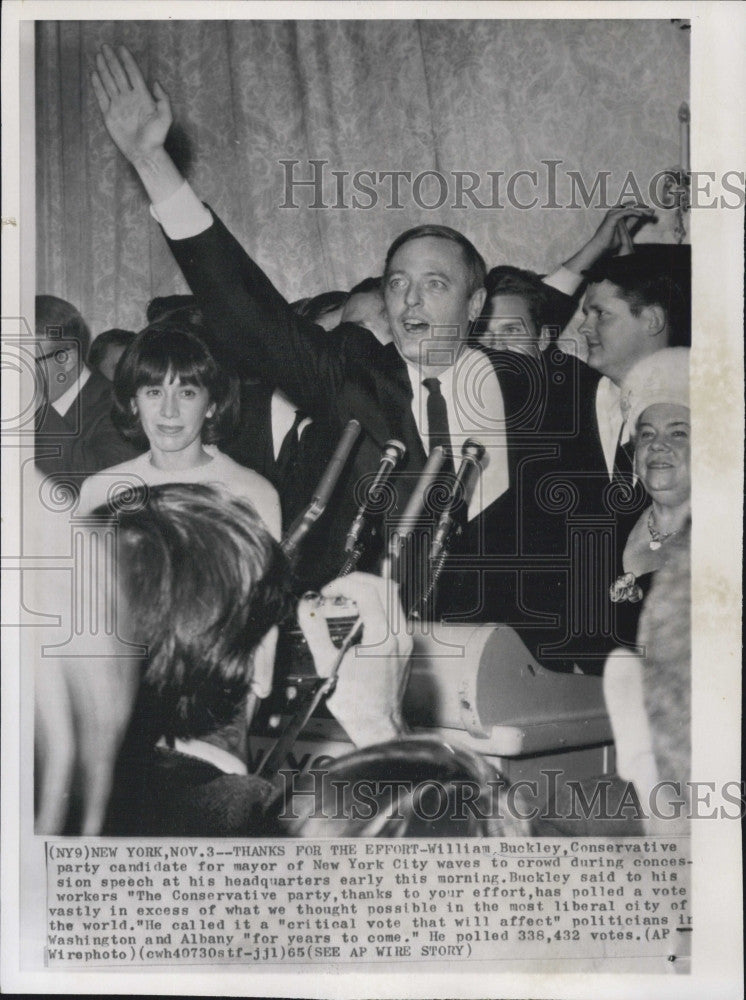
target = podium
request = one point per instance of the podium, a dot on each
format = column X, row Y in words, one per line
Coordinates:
column 479, row 686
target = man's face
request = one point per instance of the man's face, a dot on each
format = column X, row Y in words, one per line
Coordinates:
column 57, row 361
column 508, row 326
column 429, row 301
column 616, row 338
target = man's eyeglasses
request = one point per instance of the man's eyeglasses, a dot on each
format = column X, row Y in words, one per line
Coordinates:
column 60, row 354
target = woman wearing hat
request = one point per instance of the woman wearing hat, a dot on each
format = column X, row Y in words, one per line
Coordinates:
column 655, row 399
column 648, row 697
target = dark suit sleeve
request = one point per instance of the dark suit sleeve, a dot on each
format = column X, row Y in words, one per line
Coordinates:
column 61, row 449
column 253, row 324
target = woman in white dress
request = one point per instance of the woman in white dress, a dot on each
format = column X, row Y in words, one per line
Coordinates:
column 170, row 394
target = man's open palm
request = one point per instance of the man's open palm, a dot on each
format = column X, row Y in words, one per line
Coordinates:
column 137, row 121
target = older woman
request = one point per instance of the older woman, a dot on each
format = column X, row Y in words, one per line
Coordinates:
column 648, row 696
column 656, row 397
column 170, row 394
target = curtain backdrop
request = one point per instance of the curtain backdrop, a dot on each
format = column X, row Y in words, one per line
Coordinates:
column 415, row 96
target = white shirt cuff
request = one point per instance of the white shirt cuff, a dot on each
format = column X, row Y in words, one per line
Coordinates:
column 182, row 214
column 564, row 280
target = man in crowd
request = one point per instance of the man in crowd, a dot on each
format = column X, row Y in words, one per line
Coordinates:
column 74, row 433
column 107, row 349
column 635, row 305
column 426, row 388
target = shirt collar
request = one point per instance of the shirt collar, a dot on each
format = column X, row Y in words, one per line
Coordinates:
column 68, row 397
column 446, row 376
column 224, row 761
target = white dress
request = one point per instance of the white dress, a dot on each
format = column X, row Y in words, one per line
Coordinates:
column 242, row 482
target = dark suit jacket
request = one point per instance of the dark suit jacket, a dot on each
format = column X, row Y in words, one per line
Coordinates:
column 85, row 440
column 176, row 795
column 583, row 518
column 334, row 376
column 499, row 569
column 252, row 445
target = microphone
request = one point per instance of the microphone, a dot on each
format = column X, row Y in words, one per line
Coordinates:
column 472, row 453
column 416, row 502
column 393, row 453
column 307, row 518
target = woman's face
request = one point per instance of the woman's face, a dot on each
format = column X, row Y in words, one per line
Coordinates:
column 172, row 414
column 662, row 452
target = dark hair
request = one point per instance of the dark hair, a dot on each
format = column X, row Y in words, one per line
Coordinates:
column 56, row 318
column 155, row 352
column 164, row 306
column 527, row 285
column 319, row 305
column 414, row 787
column 472, row 257
column 366, row 285
column 109, row 338
column 651, row 277
column 203, row 581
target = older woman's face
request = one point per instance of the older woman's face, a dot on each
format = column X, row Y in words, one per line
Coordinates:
column 662, row 452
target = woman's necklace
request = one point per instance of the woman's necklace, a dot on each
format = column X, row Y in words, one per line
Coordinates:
column 656, row 537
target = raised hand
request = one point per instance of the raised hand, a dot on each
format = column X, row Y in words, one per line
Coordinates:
column 367, row 700
column 612, row 234
column 137, row 121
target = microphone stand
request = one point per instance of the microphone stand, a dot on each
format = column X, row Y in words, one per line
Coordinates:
column 393, row 453
column 307, row 518
column 472, row 453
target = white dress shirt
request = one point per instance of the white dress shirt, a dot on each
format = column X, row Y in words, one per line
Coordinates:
column 68, row 397
column 475, row 408
column 612, row 427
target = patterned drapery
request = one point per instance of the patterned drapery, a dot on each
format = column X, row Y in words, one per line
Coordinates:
column 481, row 98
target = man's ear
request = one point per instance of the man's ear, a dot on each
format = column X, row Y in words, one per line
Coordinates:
column 476, row 303
column 655, row 319
column 545, row 338
column 210, row 411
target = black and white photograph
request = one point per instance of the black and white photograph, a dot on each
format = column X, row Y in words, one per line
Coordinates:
column 372, row 478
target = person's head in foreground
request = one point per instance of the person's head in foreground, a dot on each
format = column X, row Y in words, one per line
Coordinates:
column 203, row 582
column 633, row 308
column 170, row 394
column 514, row 313
column 202, row 588
column 420, row 786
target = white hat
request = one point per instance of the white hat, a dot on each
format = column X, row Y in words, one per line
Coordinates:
column 662, row 377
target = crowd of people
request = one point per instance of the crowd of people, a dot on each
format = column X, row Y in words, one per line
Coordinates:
column 219, row 418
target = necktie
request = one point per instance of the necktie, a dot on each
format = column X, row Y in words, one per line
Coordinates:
column 287, row 456
column 437, row 422
column 622, row 458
